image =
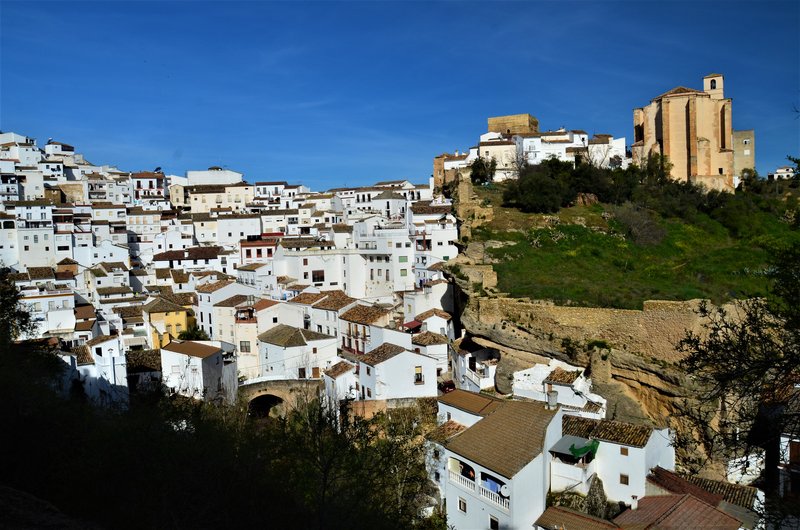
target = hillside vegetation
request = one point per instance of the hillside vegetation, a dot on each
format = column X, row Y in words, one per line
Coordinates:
column 647, row 238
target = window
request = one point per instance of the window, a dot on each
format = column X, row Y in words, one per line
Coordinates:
column 317, row 276
column 368, row 370
column 418, row 375
column 403, row 272
column 623, row 479
column 494, row 523
column 398, row 245
column 403, row 259
column 462, row 505
column 713, row 84
column 369, row 392
column 305, row 261
column 301, row 373
column 747, row 141
column 623, row 451
column 274, row 320
column 98, row 351
column 313, row 350
column 244, row 346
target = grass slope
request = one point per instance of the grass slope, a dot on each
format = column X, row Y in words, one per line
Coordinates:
column 582, row 258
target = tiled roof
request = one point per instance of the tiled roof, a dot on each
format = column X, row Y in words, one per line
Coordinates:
column 111, row 265
column 179, row 276
column 744, row 496
column 506, row 440
column 122, row 289
column 675, row 511
column 428, row 338
column 264, row 303
column 431, row 312
column 189, row 254
column 126, row 312
column 160, row 305
column 382, row 353
column 560, row 517
column 191, row 348
column 445, row 431
column 83, row 355
column 342, row 228
column 143, row 361
column 334, row 301
column 562, row 377
column 679, row 91
column 607, row 430
column 425, row 208
column 82, row 312
column 340, row 368
column 251, row 267
column 478, row 404
column 210, row 287
column 163, row 274
column 364, row 314
column 233, row 301
column 290, row 336
column 674, row 483
column 307, row 298
column 99, row 340
column 67, row 261
column 85, row 325
column 41, row 273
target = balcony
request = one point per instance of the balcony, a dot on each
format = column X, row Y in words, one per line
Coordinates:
column 496, row 498
column 462, row 481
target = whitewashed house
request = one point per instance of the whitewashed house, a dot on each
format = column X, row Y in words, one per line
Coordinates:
column 391, row 372
column 289, row 352
column 573, row 388
column 199, row 369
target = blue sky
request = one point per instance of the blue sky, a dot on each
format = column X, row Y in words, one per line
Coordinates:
column 349, row 93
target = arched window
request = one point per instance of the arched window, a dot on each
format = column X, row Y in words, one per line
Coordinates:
column 713, row 84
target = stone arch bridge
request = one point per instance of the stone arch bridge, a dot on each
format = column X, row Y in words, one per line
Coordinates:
column 273, row 397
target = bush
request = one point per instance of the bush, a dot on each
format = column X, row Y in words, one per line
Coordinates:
column 639, row 225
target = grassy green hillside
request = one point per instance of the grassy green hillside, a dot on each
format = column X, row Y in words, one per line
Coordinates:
column 587, row 255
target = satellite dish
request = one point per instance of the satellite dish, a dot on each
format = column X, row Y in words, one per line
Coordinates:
column 505, row 491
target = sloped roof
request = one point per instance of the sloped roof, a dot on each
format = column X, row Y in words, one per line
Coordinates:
column 618, row 432
column 679, row 91
column 738, row 494
column 334, row 301
column 428, row 338
column 561, row 517
column 41, row 273
column 160, row 305
column 478, row 404
column 445, row 431
column 562, row 377
column 676, row 511
column 290, row 336
column 431, row 312
column 674, row 483
column 210, row 287
column 191, row 348
column 364, row 314
column 339, row 369
column 506, row 440
column 382, row 353
column 233, row 301
column 99, row 340
column 82, row 312
column 307, row 298
column 85, row 325
column 122, row 289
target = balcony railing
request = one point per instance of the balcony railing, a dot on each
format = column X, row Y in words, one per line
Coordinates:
column 462, row 481
column 494, row 497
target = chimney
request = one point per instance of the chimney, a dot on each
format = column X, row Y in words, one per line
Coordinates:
column 634, row 502
column 552, row 400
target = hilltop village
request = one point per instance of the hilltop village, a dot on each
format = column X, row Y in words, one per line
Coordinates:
column 216, row 288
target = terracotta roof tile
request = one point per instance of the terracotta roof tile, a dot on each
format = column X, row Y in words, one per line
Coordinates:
column 233, row 301
column 339, row 369
column 445, row 431
column 429, row 338
column 674, row 512
column 607, row 430
column 563, row 377
column 674, row 483
column 290, row 336
column 431, row 312
column 363, row 314
column 307, row 298
column 191, row 348
column 478, row 404
column 334, row 301
column 382, row 353
column 560, row 517
column 738, row 494
column 506, row 440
